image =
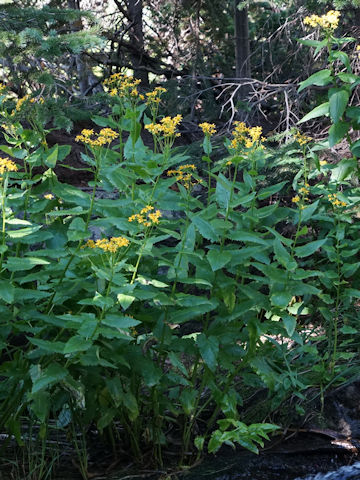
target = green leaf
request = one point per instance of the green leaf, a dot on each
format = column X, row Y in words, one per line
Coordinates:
column 47, row 346
column 188, row 400
column 218, row 259
column 355, row 148
column 15, row 264
column 347, row 330
column 7, row 291
column 205, row 228
column 337, row 132
column 77, row 344
column 125, row 300
column 51, row 156
column 100, row 121
column 119, row 321
column 54, row 373
column 321, row 78
column 344, row 169
column 131, row 405
column 40, row 405
column 199, row 443
column 281, row 299
column 348, row 77
column 318, row 111
column 283, row 256
column 343, row 57
column 309, row 248
column 312, row 43
column 290, row 324
column 77, row 230
column 244, row 236
column 338, row 100
column 23, row 232
column 268, row 191
column 209, row 349
column 223, row 191
column 308, row 212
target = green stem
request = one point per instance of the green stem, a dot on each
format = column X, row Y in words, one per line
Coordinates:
column 229, row 205
column 3, row 223
column 337, row 301
column 49, row 305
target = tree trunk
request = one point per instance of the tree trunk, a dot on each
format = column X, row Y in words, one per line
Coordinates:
column 88, row 83
column 242, row 47
column 135, row 9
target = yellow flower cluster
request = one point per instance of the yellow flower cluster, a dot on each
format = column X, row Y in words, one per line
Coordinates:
column 245, row 136
column 302, row 139
column 21, row 102
column 304, row 192
column 2, row 88
column 184, row 175
column 154, row 96
column 329, row 22
column 106, row 245
column 105, row 136
column 208, row 128
column 7, row 165
column 37, row 100
column 123, row 85
column 146, row 216
column 166, row 127
column 332, row 197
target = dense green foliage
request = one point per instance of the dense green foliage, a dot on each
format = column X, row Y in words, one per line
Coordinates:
column 151, row 311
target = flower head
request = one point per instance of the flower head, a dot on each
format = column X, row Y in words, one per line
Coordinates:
column 246, row 137
column 184, row 175
column 335, row 202
column 329, row 21
column 302, row 139
column 146, row 217
column 112, row 245
column 105, row 136
column 208, row 128
column 166, row 128
column 7, row 165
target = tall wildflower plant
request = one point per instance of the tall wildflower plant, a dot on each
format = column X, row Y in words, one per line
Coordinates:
column 152, row 313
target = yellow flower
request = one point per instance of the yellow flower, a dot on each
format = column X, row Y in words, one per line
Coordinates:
column 49, row 196
column 166, row 128
column 7, row 165
column 184, row 175
column 329, row 22
column 20, row 103
column 255, row 133
column 244, row 136
column 302, row 139
column 2, row 88
column 208, row 128
column 146, row 218
column 323, row 162
column 154, row 96
column 296, row 199
column 111, row 245
column 105, row 136
column 332, row 197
